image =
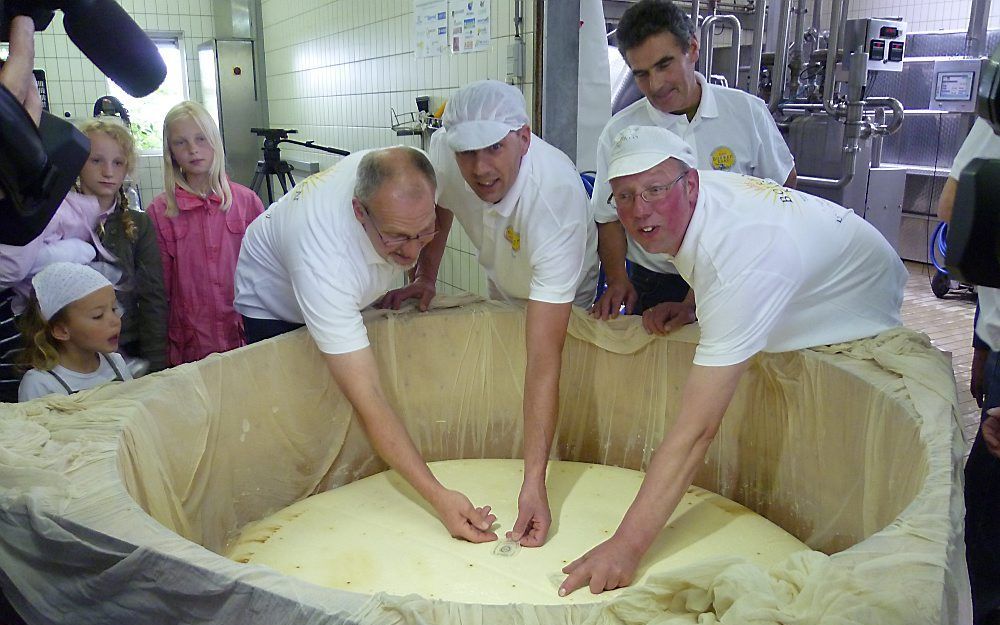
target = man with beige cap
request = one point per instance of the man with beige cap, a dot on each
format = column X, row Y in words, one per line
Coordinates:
column 728, row 130
column 773, row 270
column 523, row 206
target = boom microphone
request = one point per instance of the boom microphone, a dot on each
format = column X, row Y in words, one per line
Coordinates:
column 115, row 44
column 105, row 34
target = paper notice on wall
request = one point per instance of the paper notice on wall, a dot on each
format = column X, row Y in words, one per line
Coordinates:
column 470, row 25
column 430, row 27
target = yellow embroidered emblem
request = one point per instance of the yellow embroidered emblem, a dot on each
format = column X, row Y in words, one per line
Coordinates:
column 513, row 237
column 723, row 158
column 767, row 187
column 311, row 181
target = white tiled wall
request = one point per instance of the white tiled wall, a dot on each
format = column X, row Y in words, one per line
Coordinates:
column 74, row 83
column 336, row 67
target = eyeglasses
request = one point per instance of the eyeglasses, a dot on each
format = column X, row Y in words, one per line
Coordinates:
column 398, row 241
column 650, row 194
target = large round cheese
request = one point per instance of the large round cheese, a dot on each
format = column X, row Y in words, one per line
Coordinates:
column 378, row 535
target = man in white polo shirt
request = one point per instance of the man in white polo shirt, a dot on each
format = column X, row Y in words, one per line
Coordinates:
column 773, row 270
column 523, row 205
column 322, row 253
column 728, row 130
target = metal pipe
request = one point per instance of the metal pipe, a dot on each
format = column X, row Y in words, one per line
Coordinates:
column 795, row 49
column 876, row 160
column 843, row 19
column 759, row 15
column 736, row 40
column 870, row 103
column 849, row 163
column 695, row 12
column 975, row 38
column 897, row 114
column 708, row 53
column 707, row 41
column 831, row 59
column 780, row 57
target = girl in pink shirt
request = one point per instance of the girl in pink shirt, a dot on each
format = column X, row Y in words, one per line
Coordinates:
column 200, row 220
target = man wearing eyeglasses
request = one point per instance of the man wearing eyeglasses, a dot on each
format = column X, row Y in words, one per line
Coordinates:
column 728, row 130
column 323, row 252
column 774, row 270
column 524, row 208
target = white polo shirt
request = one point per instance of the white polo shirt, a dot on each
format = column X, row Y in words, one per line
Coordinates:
column 777, row 270
column 540, row 241
column 982, row 143
column 731, row 131
column 307, row 259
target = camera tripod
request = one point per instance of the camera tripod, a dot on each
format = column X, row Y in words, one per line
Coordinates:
column 274, row 165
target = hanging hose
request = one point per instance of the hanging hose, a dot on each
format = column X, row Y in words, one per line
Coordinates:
column 937, row 245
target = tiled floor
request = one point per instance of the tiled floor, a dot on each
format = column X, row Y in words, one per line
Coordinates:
column 948, row 322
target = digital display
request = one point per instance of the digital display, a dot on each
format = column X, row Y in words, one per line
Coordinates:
column 954, row 86
column 888, row 32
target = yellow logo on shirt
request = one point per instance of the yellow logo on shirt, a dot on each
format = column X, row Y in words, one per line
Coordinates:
column 723, row 158
column 513, row 237
column 768, row 187
column 311, row 181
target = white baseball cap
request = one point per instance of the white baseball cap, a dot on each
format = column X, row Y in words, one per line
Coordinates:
column 61, row 284
column 482, row 113
column 638, row 148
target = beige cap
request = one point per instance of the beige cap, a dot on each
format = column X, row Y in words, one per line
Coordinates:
column 638, row 148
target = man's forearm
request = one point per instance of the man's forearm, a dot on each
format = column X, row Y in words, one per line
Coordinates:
column 676, row 461
column 611, row 248
column 429, row 261
column 357, row 376
column 545, row 334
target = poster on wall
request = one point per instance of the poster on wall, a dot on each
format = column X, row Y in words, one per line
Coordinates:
column 430, row 27
column 470, row 25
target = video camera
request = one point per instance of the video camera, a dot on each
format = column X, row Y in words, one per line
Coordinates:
column 38, row 165
column 974, row 230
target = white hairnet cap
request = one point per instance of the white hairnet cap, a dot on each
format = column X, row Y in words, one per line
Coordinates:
column 638, row 148
column 482, row 113
column 60, row 284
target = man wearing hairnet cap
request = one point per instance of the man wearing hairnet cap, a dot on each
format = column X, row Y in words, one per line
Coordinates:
column 773, row 269
column 523, row 206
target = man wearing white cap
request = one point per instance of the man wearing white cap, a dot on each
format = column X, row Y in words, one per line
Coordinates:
column 322, row 253
column 523, row 205
column 774, row 270
column 728, row 130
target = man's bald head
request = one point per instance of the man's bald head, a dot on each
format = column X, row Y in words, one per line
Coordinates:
column 406, row 169
column 394, row 201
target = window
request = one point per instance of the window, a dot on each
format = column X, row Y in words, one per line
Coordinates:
column 147, row 113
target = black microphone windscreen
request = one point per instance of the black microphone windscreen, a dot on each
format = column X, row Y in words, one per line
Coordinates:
column 106, row 34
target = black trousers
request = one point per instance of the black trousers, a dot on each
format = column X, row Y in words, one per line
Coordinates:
column 655, row 287
column 259, row 329
column 982, row 512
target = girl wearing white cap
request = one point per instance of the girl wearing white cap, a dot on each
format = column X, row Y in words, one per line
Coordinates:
column 71, row 331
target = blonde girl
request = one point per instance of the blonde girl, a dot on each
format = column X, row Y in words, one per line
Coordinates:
column 200, row 219
column 71, row 330
column 127, row 233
